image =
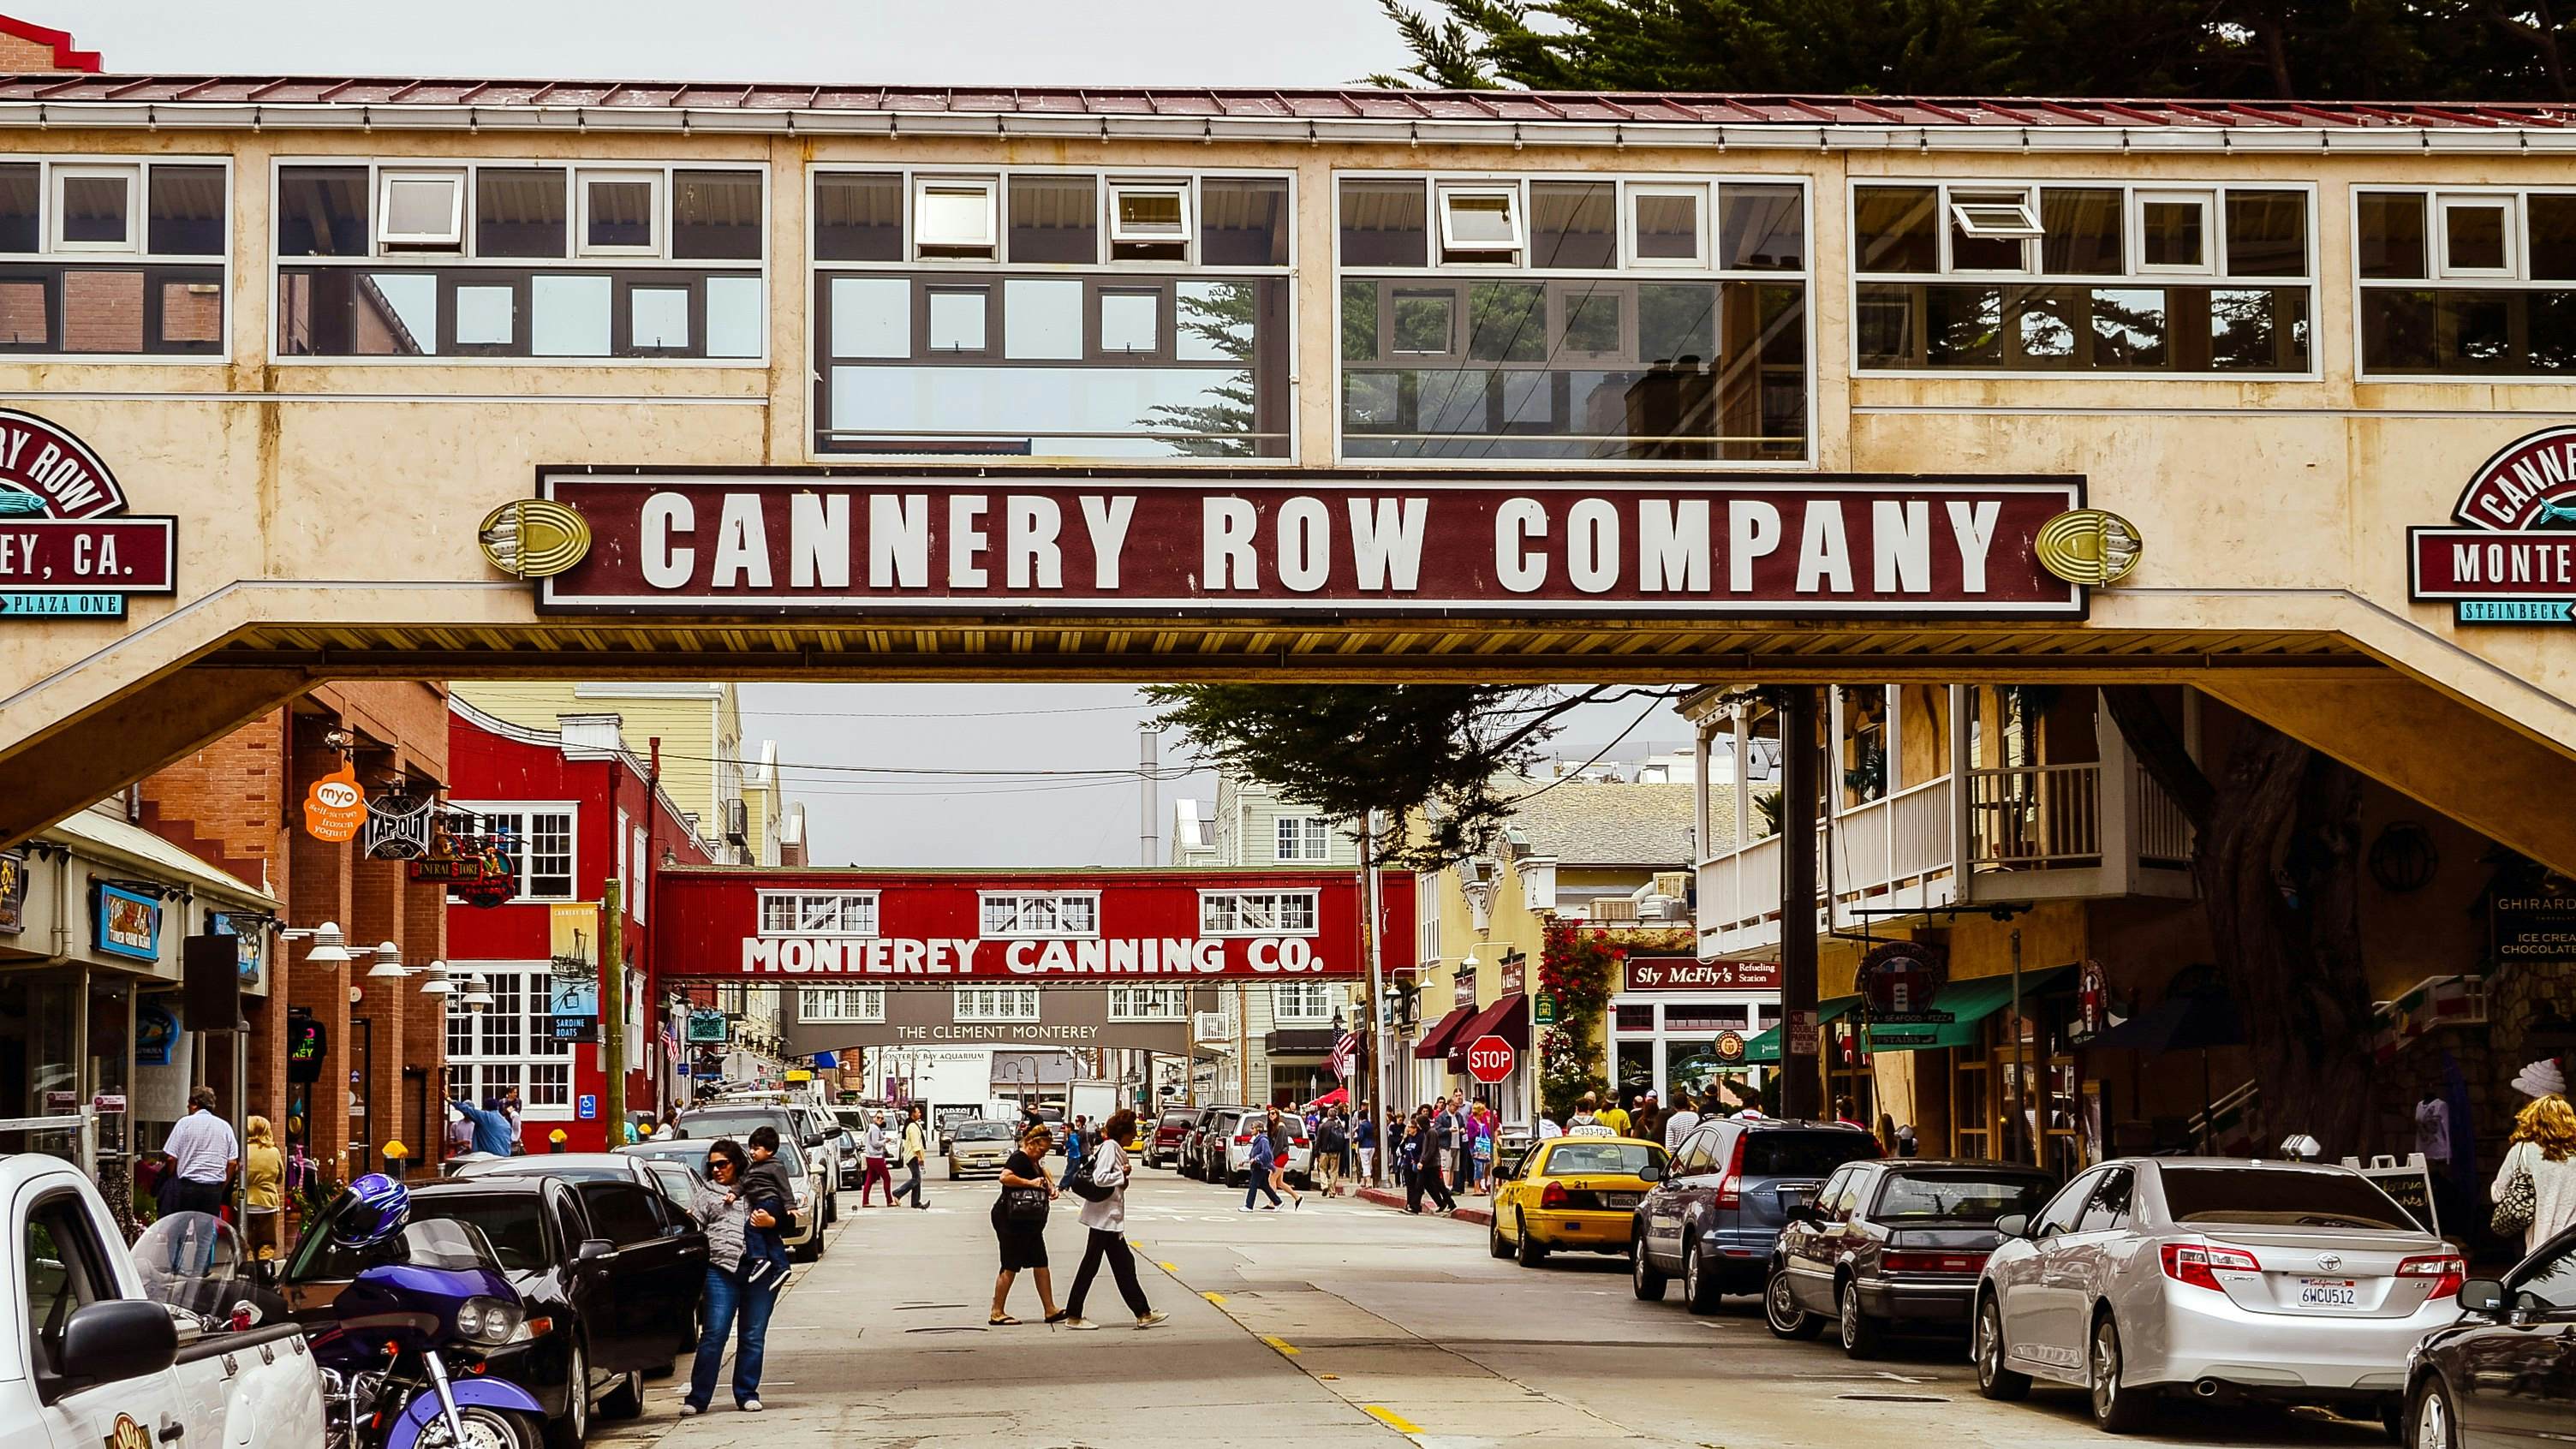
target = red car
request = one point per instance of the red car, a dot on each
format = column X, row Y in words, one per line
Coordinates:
column 1171, row 1134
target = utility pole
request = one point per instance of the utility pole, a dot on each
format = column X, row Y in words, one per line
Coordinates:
column 1149, row 743
column 1372, row 1056
column 612, row 1007
column 1801, row 1040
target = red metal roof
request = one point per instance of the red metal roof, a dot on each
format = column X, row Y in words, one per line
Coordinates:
column 1537, row 108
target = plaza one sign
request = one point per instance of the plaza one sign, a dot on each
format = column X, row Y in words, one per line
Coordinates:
column 67, row 547
column 825, row 541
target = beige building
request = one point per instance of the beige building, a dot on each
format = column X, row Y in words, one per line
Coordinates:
column 2272, row 338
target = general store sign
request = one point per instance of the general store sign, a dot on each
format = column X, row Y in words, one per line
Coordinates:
column 66, row 548
column 2515, row 560
column 824, row 541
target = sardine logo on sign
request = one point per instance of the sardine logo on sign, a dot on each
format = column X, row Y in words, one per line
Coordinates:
column 2515, row 562
column 68, row 549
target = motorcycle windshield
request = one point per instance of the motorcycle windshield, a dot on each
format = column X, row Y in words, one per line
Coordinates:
column 195, row 1262
column 423, row 1243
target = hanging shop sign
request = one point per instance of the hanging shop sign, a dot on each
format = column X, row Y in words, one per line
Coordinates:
column 2514, row 561
column 1543, row 1008
column 2092, row 1003
column 1730, row 1049
column 823, row 541
column 472, row 863
column 250, row 942
column 68, row 549
column 125, row 923
column 335, row 809
column 1462, row 988
column 1514, row 969
column 1689, row 973
column 709, row 1028
column 398, row 827
column 1899, row 981
column 13, row 892
column 2535, row 923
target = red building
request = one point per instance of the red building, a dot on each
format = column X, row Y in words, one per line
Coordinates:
column 578, row 810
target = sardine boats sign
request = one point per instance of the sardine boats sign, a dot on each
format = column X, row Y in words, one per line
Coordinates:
column 951, row 540
column 65, row 551
column 2515, row 563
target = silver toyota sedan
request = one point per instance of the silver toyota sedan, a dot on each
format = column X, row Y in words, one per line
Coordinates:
column 2278, row 1281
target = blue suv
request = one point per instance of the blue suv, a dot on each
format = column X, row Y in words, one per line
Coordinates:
column 1733, row 1185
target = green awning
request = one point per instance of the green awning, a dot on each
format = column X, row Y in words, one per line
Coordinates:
column 1764, row 1050
column 1968, row 1003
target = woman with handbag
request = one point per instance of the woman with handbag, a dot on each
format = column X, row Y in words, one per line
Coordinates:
column 2535, row 1186
column 1020, row 1220
column 1104, row 1214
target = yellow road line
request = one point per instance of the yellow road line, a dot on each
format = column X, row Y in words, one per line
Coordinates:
column 1391, row 1418
column 1216, row 1298
column 1286, row 1349
column 1169, row 1268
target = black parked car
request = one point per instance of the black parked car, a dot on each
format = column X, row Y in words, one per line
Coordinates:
column 674, row 1180
column 609, row 1270
column 1893, row 1241
column 1730, row 1188
column 2506, row 1372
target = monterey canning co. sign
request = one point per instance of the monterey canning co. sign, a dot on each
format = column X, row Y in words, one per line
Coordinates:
column 66, row 548
column 830, row 541
column 2515, row 562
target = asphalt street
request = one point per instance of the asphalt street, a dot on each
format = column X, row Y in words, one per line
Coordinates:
column 1338, row 1323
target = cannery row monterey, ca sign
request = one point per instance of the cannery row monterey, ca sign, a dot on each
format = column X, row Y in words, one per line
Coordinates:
column 2515, row 562
column 824, row 541
column 67, row 548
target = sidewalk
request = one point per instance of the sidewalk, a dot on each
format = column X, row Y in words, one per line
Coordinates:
column 1475, row 1210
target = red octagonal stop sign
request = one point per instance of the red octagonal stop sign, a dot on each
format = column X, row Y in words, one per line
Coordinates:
column 1489, row 1060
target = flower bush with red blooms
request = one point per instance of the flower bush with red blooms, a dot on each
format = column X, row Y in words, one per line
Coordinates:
column 1580, row 969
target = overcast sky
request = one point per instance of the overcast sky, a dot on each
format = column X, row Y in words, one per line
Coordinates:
column 848, row 739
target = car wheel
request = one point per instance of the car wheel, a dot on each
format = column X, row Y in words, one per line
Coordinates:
column 1859, row 1330
column 2431, row 1422
column 1993, row 1379
column 1643, row 1275
column 1699, row 1290
column 2118, row 1408
column 806, row 1251
column 626, row 1401
column 1780, row 1310
column 1494, row 1244
column 568, row 1431
column 1532, row 1252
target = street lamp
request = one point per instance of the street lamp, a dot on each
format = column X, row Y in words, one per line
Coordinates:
column 478, row 994
column 330, row 948
column 388, row 962
column 437, row 984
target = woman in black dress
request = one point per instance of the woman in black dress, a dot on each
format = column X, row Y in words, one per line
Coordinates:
column 1024, row 1240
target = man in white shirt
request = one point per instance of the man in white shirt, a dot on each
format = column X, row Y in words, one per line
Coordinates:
column 1678, row 1125
column 204, row 1154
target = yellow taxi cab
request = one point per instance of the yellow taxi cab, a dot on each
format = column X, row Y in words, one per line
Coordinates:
column 1576, row 1193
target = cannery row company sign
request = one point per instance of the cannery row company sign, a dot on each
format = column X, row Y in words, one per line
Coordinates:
column 823, row 541
column 948, row 928
column 67, row 547
column 2515, row 561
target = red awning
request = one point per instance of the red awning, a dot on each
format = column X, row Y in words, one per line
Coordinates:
column 1435, row 1042
column 1507, row 1018
column 1333, row 1098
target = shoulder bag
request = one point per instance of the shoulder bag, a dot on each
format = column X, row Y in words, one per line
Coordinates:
column 1024, row 1204
column 1083, row 1182
column 2516, row 1207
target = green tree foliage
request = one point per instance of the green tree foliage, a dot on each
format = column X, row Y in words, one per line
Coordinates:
column 2307, row 49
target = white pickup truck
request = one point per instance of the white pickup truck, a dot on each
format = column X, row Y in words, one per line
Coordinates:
column 88, row 1361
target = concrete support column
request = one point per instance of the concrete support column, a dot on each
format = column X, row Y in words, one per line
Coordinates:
column 1801, row 1080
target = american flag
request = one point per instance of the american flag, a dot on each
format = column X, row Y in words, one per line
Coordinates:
column 1345, row 1051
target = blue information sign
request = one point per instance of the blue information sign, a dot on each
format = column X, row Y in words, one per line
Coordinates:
column 587, row 1107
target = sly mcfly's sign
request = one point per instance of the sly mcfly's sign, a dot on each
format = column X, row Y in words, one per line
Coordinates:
column 2515, row 562
column 944, row 540
column 64, row 551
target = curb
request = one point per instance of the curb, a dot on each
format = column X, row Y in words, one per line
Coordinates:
column 1387, row 1197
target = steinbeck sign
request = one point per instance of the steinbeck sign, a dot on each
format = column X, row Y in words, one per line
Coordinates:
column 829, row 541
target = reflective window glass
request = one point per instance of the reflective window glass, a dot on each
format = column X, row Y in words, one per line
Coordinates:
column 570, row 316
column 184, row 214
column 871, row 317
column 1042, row 319
column 1131, row 321
column 2267, row 233
column 956, row 320
column 2079, row 231
column 2392, row 235
column 1055, row 219
column 322, row 211
column 858, row 217
column 519, row 211
column 1761, row 228
column 18, row 188
column 1894, row 229
column 1243, row 222
column 1668, row 222
column 1574, row 224
column 716, row 215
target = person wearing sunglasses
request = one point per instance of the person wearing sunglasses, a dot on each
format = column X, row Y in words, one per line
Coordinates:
column 735, row 1297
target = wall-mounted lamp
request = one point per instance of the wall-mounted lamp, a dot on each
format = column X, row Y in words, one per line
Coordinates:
column 330, row 948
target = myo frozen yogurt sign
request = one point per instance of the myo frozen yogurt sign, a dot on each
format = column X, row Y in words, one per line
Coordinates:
column 67, row 546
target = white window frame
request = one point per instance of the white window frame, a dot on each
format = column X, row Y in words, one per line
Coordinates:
column 462, row 258
column 1179, row 188
column 390, row 243
column 1148, row 1001
column 1314, row 838
column 1306, row 993
column 1697, row 193
column 2021, row 223
column 522, row 809
column 989, row 247
column 868, row 1010
column 2213, row 232
column 1023, row 1004
column 137, row 206
column 986, row 900
column 1954, row 221
column 2438, row 220
column 536, row 1026
column 867, row 901
column 642, row 885
column 655, row 182
column 1426, row 917
column 1474, row 253
column 1229, row 923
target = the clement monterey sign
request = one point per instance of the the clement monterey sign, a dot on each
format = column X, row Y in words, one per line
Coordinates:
column 2515, row 562
column 820, row 541
column 65, row 551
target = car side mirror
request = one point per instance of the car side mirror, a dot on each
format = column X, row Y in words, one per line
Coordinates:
column 813, row 1139
column 1651, row 1172
column 593, row 1249
column 116, row 1339
column 2013, row 1225
column 2482, row 1295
